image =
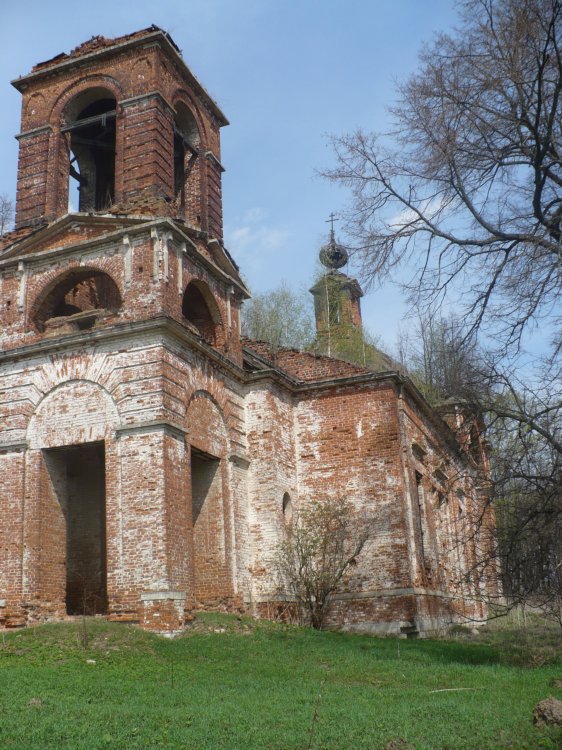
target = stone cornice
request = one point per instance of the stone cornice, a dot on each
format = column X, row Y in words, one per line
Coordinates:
column 171, row 428
column 168, row 328
column 17, row 447
column 154, row 38
column 400, row 382
column 159, row 325
column 143, row 97
column 241, row 461
column 133, row 225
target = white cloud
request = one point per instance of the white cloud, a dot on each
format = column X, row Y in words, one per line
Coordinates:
column 255, row 214
column 254, row 243
column 406, row 218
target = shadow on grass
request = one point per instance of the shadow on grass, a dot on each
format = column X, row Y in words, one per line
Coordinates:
column 438, row 651
column 460, row 653
column 532, row 648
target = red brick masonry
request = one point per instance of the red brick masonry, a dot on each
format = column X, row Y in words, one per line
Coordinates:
column 145, row 448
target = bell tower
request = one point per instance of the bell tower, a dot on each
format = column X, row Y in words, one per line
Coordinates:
column 119, row 126
column 337, row 305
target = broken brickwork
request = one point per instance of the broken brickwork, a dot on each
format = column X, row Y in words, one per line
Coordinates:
column 150, row 458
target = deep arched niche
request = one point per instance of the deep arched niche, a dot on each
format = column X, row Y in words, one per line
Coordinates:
column 67, row 475
column 210, row 499
column 78, row 297
column 200, row 309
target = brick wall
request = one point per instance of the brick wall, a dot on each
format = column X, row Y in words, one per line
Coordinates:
column 136, row 450
column 150, row 266
column 148, row 81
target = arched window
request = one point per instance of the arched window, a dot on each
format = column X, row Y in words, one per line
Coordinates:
column 287, row 507
column 186, row 169
column 475, row 450
column 461, row 503
column 201, row 311
column 90, row 124
column 334, row 316
column 79, row 298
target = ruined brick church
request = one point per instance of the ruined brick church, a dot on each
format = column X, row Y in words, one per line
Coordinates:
column 150, row 457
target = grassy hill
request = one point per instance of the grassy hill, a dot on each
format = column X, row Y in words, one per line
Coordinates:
column 233, row 683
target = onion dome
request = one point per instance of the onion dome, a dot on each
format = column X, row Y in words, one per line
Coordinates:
column 333, row 255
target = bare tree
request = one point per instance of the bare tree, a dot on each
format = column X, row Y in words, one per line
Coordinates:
column 468, row 187
column 527, row 493
column 442, row 359
column 321, row 544
column 469, row 183
column 524, row 429
column 6, row 214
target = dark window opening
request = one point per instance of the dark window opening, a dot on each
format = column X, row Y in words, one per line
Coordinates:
column 287, row 508
column 77, row 476
column 80, row 298
column 201, row 312
column 92, row 155
column 418, row 452
column 179, row 167
column 422, row 518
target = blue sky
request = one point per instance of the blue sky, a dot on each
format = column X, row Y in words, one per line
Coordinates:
column 286, row 74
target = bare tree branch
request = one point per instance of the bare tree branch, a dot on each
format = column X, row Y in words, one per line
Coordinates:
column 6, row 214
column 470, row 179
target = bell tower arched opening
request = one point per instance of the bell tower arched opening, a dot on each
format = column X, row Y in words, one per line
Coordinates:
column 90, row 129
column 187, row 178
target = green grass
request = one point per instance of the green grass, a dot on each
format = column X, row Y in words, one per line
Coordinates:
column 232, row 683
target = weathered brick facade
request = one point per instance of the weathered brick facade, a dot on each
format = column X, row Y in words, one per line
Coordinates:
column 145, row 449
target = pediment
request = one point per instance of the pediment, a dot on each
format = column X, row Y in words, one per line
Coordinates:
column 77, row 230
column 71, row 229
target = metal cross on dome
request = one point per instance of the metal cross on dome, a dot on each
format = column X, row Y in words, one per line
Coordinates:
column 331, row 221
column 332, row 255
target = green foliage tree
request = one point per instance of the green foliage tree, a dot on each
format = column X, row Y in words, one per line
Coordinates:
column 281, row 317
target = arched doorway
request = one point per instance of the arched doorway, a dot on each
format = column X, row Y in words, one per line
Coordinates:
column 210, row 503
